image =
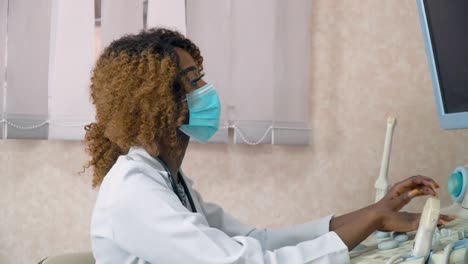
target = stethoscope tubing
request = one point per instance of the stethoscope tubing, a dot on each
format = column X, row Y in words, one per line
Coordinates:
column 174, row 186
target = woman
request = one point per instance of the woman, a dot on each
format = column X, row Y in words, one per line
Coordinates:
column 150, row 98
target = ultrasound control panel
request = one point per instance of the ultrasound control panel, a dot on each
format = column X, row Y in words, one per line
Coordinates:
column 449, row 242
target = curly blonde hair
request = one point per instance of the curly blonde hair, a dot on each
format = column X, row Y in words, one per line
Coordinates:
column 137, row 90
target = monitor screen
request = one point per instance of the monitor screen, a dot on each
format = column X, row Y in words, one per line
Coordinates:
column 445, row 28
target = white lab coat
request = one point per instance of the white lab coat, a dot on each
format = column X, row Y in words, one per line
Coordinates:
column 139, row 219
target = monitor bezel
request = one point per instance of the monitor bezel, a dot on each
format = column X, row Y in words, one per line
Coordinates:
column 447, row 120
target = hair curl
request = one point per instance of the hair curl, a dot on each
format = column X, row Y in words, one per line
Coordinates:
column 137, row 90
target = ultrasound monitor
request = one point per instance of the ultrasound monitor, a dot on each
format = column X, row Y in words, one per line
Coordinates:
column 445, row 29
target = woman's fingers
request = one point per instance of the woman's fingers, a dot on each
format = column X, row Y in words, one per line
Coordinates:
column 429, row 191
column 414, row 181
column 397, row 202
column 444, row 219
column 404, row 222
column 422, row 183
column 403, row 192
column 405, row 198
column 420, row 191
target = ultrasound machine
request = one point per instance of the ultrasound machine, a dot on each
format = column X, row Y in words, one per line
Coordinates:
column 445, row 28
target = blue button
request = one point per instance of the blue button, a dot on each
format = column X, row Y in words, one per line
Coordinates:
column 386, row 245
column 455, row 184
column 401, row 238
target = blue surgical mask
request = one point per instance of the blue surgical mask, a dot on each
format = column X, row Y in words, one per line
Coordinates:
column 205, row 110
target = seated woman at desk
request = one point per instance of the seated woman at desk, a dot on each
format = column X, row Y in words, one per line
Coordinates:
column 150, row 98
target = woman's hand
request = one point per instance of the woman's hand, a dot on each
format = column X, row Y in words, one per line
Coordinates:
column 384, row 215
column 387, row 209
column 402, row 192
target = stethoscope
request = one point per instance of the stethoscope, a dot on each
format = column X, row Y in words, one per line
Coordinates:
column 174, row 185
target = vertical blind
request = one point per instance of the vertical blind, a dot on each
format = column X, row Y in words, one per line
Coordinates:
column 119, row 17
column 27, row 68
column 3, row 30
column 256, row 53
column 72, row 55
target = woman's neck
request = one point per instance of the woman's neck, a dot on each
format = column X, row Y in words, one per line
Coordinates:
column 173, row 164
column 173, row 158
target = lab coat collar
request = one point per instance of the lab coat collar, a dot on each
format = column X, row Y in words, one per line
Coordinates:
column 139, row 153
